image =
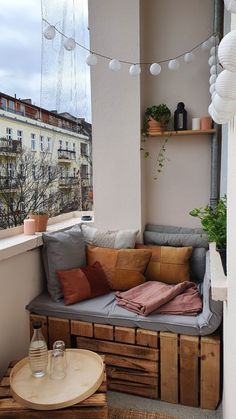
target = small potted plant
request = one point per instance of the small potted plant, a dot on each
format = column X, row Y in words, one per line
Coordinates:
column 156, row 118
column 41, row 220
column 214, row 223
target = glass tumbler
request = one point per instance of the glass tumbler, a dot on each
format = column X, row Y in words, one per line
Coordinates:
column 60, row 344
column 57, row 367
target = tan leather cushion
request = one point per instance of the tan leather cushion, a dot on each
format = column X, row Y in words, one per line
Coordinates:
column 124, row 268
column 168, row 264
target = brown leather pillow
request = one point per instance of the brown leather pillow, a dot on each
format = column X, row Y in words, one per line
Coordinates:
column 168, row 264
column 82, row 283
column 124, row 268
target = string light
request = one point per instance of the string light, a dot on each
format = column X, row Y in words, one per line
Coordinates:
column 135, row 68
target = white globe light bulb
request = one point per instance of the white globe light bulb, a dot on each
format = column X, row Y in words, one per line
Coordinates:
column 49, row 33
column 135, row 70
column 69, row 44
column 206, row 46
column 212, row 60
column 173, row 65
column 212, row 79
column 214, row 50
column 215, row 69
column 91, row 59
column 155, row 69
column 212, row 88
column 189, row 57
column 114, row 65
column 213, row 40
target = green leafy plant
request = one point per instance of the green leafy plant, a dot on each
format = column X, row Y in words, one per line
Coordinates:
column 160, row 113
column 213, row 222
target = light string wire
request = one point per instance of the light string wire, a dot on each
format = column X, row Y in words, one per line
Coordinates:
column 215, row 34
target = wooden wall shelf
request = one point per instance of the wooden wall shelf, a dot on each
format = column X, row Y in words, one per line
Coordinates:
column 181, row 133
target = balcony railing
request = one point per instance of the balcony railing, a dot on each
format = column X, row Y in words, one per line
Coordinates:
column 67, row 182
column 8, row 183
column 64, row 154
column 10, row 146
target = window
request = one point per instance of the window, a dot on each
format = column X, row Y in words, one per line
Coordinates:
column 49, row 144
column 22, row 109
column 84, row 171
column 11, row 105
column 9, row 133
column 61, row 172
column 67, row 172
column 10, row 170
column 67, row 145
column 41, row 143
column 3, row 103
column 21, row 170
column 19, row 135
column 73, row 146
column 74, row 172
column 83, row 149
column 33, row 142
column 60, row 144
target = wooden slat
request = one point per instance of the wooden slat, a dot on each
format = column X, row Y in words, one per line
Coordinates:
column 147, row 338
column 169, row 367
column 70, row 412
column 80, row 328
column 124, row 334
column 210, row 372
column 44, row 321
column 103, row 331
column 133, row 388
column 5, row 392
column 117, row 348
column 58, row 329
column 5, row 381
column 132, row 363
column 189, row 380
column 132, row 375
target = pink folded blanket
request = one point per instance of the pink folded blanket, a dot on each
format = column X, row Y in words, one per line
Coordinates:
column 182, row 298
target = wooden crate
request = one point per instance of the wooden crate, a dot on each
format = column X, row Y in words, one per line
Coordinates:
column 176, row 368
column 94, row 407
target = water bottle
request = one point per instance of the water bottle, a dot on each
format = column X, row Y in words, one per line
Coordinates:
column 38, row 351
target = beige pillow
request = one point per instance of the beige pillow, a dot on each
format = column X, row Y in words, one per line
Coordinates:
column 116, row 239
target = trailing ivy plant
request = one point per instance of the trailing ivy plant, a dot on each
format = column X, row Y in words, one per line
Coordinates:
column 213, row 222
column 161, row 158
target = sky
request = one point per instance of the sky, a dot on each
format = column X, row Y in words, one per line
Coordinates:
column 24, row 55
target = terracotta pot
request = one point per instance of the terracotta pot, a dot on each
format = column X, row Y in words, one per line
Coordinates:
column 154, row 126
column 41, row 221
column 206, row 122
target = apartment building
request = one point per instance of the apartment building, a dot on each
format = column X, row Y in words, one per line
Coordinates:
column 66, row 139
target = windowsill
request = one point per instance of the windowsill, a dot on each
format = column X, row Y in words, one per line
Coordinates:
column 218, row 278
column 14, row 242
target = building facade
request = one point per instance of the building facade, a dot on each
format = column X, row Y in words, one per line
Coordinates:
column 64, row 139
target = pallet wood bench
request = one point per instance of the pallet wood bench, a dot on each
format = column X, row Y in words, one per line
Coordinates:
column 94, row 407
column 173, row 367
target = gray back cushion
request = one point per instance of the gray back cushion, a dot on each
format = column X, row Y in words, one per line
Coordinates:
column 172, row 229
column 171, row 236
column 62, row 250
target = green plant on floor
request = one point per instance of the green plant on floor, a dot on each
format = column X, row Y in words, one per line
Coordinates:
column 214, row 221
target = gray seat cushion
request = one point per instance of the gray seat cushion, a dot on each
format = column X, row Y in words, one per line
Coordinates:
column 105, row 310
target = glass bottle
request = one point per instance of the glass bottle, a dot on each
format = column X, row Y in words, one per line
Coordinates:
column 38, row 351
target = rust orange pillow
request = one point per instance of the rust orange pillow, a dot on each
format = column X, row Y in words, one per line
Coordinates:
column 167, row 264
column 82, row 283
column 124, row 268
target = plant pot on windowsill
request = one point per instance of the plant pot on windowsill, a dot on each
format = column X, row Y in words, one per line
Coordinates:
column 41, row 221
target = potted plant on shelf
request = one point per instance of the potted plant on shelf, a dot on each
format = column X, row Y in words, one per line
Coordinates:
column 214, row 223
column 156, row 118
column 41, row 220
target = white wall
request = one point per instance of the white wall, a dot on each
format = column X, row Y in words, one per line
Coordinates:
column 114, row 31
column 169, row 28
column 20, row 282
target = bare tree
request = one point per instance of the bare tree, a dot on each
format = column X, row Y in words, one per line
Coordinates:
column 31, row 183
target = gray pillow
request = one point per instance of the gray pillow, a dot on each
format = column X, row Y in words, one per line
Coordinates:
column 178, row 239
column 116, row 239
column 62, row 250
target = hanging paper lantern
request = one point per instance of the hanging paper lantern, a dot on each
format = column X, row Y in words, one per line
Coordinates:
column 135, row 70
column 227, row 51
column 226, row 85
column 115, row 65
column 155, row 69
column 230, row 5
column 69, row 44
column 216, row 117
column 223, row 106
column 91, row 59
column 214, row 50
column 212, row 60
column 49, row 33
column 212, row 79
column 173, row 65
column 189, row 57
column 213, row 95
